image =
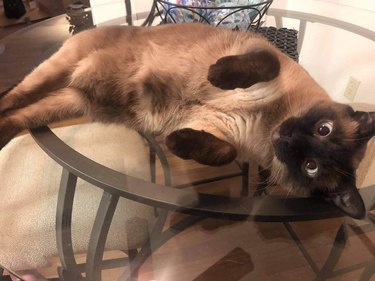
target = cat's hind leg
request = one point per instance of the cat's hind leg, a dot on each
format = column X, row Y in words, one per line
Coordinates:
column 55, row 72
column 51, row 75
column 58, row 105
column 46, row 78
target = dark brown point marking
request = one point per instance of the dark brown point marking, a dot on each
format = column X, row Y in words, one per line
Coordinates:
column 200, row 146
column 243, row 71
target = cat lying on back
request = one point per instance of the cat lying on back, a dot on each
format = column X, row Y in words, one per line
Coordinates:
column 216, row 96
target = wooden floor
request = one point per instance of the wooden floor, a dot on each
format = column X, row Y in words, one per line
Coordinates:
column 220, row 250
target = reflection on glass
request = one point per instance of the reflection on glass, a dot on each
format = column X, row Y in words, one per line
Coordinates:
column 79, row 17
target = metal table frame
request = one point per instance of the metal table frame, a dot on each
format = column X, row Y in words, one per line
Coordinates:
column 199, row 206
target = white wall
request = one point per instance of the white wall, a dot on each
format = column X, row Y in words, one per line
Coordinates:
column 332, row 55
column 113, row 11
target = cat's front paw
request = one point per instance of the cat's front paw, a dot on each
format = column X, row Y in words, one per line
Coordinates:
column 200, row 146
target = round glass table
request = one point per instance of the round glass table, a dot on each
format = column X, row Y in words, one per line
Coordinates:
column 156, row 217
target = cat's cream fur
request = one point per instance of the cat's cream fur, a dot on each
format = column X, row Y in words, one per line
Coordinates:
column 168, row 78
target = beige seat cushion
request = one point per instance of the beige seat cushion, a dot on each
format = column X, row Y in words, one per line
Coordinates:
column 29, row 182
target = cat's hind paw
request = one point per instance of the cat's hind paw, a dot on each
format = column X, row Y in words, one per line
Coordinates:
column 243, row 71
column 200, row 146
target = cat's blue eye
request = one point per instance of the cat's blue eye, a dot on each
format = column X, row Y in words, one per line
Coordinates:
column 325, row 129
column 310, row 168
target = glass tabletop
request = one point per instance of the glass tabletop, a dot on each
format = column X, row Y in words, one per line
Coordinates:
column 86, row 212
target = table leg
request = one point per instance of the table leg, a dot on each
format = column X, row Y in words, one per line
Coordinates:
column 335, row 253
column 99, row 234
column 245, row 179
column 69, row 269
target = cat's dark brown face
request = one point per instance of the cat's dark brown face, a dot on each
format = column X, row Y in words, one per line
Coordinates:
column 321, row 150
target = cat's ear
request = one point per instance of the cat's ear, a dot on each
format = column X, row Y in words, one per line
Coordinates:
column 243, row 71
column 366, row 123
column 348, row 200
column 201, row 146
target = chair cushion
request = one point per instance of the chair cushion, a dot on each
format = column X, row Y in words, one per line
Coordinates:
column 29, row 181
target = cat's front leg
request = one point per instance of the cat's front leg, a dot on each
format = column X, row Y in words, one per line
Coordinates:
column 201, row 146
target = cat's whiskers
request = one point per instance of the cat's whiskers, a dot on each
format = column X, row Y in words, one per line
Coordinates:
column 258, row 181
column 290, row 189
column 268, row 182
column 344, row 173
column 269, row 187
column 275, row 178
column 355, row 139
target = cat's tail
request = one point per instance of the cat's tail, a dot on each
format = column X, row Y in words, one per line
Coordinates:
column 61, row 104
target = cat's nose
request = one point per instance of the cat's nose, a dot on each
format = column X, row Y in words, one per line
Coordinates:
column 286, row 139
column 282, row 137
column 286, row 132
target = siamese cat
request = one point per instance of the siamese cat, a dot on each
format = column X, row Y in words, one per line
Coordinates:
column 216, row 95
